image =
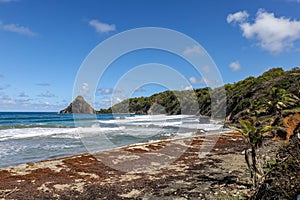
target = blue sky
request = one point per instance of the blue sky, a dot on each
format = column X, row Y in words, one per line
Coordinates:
column 43, row 43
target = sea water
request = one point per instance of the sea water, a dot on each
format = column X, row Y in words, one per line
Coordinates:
column 29, row 136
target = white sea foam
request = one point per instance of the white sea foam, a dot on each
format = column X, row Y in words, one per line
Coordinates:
column 9, row 150
column 152, row 120
column 24, row 133
column 27, row 142
column 138, row 125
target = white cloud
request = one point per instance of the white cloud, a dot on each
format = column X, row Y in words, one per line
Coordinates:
column 108, row 102
column 26, row 104
column 85, row 88
column 5, row 99
column 194, row 80
column 119, row 99
column 102, row 27
column 15, row 28
column 235, row 66
column 139, row 89
column 107, row 91
column 47, row 94
column 9, row 102
column 274, row 34
column 240, row 16
column 194, row 50
column 188, row 87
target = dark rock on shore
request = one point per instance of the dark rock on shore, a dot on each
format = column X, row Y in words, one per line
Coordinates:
column 79, row 105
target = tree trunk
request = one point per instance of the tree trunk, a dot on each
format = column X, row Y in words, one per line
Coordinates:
column 247, row 158
column 254, row 167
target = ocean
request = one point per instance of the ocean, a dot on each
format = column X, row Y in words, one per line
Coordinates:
column 35, row 136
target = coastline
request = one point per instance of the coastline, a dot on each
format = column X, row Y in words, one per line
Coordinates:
column 148, row 170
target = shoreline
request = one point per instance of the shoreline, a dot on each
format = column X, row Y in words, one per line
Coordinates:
column 113, row 147
column 125, row 146
column 147, row 170
column 196, row 135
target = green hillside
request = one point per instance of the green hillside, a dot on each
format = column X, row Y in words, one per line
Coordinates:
column 263, row 96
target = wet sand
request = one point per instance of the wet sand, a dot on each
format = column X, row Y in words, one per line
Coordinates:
column 202, row 167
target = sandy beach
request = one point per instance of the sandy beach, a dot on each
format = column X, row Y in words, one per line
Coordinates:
column 143, row 171
column 149, row 100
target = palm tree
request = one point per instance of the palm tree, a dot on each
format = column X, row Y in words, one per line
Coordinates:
column 254, row 135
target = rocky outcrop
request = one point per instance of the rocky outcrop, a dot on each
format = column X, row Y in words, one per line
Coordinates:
column 79, row 105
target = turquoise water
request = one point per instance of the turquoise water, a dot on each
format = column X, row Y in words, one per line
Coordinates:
column 30, row 137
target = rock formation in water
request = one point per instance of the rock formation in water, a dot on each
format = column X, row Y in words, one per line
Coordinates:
column 79, row 105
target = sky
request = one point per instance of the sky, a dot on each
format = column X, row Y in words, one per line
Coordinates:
column 43, row 44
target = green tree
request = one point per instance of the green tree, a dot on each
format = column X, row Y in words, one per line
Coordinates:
column 254, row 134
column 281, row 99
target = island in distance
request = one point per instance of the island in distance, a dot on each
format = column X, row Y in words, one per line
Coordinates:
column 79, row 105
